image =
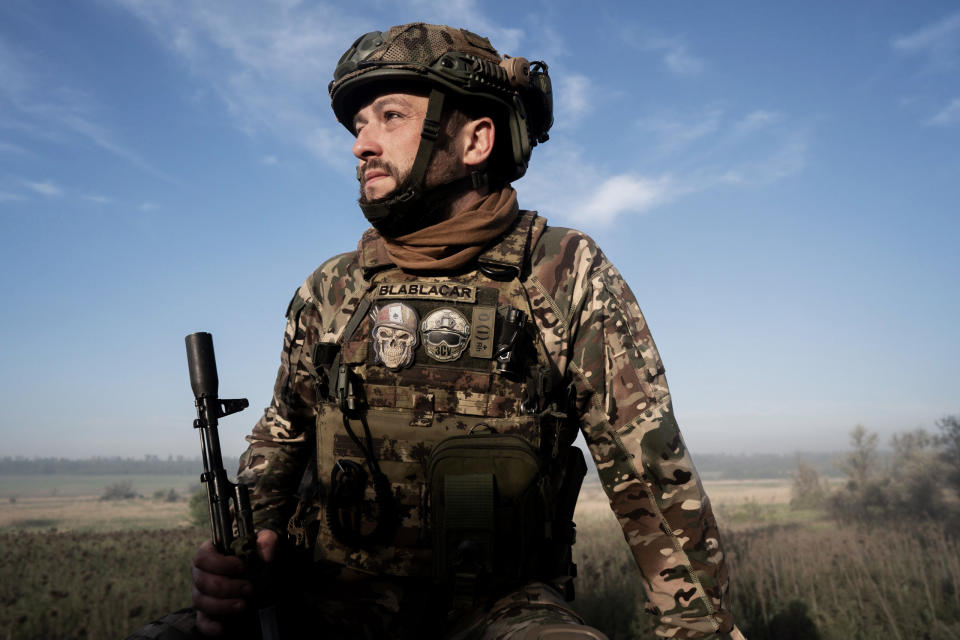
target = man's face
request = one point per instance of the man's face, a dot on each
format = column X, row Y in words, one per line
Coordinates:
column 388, row 136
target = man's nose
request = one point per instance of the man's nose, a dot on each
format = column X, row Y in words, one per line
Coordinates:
column 366, row 145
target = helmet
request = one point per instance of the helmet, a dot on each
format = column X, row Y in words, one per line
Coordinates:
column 447, row 62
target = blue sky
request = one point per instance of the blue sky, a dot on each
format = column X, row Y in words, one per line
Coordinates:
column 778, row 182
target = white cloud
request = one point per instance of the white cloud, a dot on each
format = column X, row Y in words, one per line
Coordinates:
column 939, row 42
column 6, row 196
column 270, row 161
column 148, row 206
column 947, row 116
column 45, row 188
column 562, row 183
column 98, row 199
column 676, row 57
column 625, row 193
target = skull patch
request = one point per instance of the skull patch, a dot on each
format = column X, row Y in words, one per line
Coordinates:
column 446, row 333
column 394, row 335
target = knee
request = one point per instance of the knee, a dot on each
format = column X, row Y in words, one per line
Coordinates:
column 563, row 632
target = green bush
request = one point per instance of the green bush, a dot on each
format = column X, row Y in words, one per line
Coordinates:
column 119, row 491
column 198, row 508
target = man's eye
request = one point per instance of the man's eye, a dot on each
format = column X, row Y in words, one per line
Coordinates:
column 390, row 115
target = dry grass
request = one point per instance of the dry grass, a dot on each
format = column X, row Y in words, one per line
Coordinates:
column 794, row 581
column 808, row 579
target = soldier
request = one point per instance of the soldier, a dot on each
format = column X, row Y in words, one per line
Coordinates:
column 419, row 440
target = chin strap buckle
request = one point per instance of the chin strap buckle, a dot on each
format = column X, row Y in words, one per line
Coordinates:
column 431, row 129
column 479, row 179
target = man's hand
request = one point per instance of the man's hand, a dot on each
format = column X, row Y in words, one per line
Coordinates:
column 220, row 588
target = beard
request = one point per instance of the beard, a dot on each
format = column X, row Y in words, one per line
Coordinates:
column 402, row 180
column 444, row 167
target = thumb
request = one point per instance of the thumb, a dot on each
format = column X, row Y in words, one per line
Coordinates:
column 267, row 544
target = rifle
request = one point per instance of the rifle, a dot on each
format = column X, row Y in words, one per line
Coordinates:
column 222, row 495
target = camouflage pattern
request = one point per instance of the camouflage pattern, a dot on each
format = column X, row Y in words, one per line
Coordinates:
column 594, row 334
column 518, row 615
column 389, row 610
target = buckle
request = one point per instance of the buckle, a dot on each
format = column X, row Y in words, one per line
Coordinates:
column 431, row 129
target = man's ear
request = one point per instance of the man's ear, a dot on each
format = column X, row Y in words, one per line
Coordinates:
column 477, row 137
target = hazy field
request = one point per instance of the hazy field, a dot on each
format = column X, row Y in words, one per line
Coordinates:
column 72, row 503
column 63, row 485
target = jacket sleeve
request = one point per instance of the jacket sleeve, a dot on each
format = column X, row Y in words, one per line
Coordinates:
column 281, row 441
column 647, row 473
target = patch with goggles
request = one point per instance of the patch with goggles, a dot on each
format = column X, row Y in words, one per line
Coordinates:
column 394, row 335
column 446, row 334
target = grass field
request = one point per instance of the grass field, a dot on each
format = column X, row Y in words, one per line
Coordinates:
column 71, row 486
column 794, row 574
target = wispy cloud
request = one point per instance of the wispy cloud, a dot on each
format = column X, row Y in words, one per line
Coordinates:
column 8, row 147
column 677, row 133
column 6, row 196
column 573, row 98
column 939, row 42
column 45, row 188
column 676, row 57
column 787, row 158
column 53, row 114
column 949, row 115
column 98, row 199
column 566, row 183
column 270, row 161
column 755, row 121
column 148, row 206
column 267, row 62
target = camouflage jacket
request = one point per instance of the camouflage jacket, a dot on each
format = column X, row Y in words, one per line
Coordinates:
column 597, row 338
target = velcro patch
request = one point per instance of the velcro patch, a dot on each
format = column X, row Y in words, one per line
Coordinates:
column 448, row 291
column 482, row 330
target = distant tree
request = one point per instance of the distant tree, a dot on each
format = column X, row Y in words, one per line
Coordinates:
column 949, row 441
column 808, row 491
column 917, row 472
column 860, row 463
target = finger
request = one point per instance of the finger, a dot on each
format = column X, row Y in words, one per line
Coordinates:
column 216, row 607
column 210, row 560
column 267, row 544
column 208, row 626
column 218, row 586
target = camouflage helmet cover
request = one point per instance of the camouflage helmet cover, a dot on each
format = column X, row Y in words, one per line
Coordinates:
column 456, row 61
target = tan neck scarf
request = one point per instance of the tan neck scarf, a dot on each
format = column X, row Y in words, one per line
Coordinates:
column 455, row 242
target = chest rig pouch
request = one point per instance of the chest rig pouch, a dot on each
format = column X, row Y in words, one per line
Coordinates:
column 489, row 503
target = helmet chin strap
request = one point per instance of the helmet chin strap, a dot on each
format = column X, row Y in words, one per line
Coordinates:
column 416, row 206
